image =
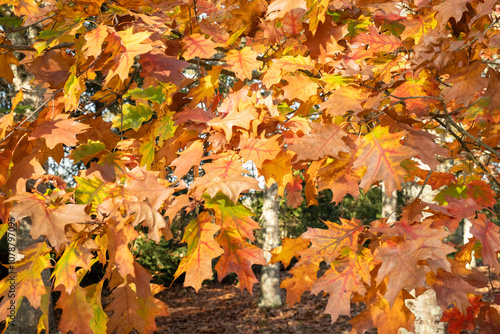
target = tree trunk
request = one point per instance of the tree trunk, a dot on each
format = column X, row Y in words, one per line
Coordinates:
column 389, row 206
column 270, row 296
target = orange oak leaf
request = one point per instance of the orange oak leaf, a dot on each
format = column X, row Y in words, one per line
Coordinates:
column 279, row 8
column 458, row 321
column 416, row 26
column 289, row 248
column 143, row 185
column 94, row 40
column 235, row 117
column 156, row 223
column 77, row 311
column 119, row 235
column 286, row 64
column 376, row 42
column 348, row 98
column 124, row 46
column 238, row 257
column 326, row 244
column 205, row 92
column 385, row 318
column 400, row 265
column 426, row 148
column 450, row 288
column 294, row 193
column 197, row 45
column 164, row 68
column 278, row 170
column 188, row 158
column 382, row 153
column 487, row 233
column 232, row 216
column 47, row 220
column 62, row 129
column 202, row 248
column 299, row 87
column 304, row 276
column 325, row 140
column 259, row 150
column 416, row 86
column 341, row 178
column 481, row 193
column 292, row 21
column 21, row 169
column 226, row 176
column 242, row 62
column 130, row 312
column 341, row 280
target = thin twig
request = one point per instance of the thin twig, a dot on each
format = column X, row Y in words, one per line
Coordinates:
column 10, row 31
column 472, row 156
column 425, row 183
column 32, row 49
column 31, row 115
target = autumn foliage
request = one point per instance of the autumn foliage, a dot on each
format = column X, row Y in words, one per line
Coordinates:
column 318, row 94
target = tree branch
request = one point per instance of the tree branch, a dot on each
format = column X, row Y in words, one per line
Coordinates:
column 473, row 157
column 31, row 115
column 32, row 49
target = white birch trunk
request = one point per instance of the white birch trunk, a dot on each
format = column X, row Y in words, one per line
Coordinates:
column 270, row 296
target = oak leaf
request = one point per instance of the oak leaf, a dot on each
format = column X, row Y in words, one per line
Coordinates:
column 289, row 249
column 242, row 62
column 325, row 140
column 60, row 129
column 226, row 176
column 376, row 42
column 238, row 257
column 202, row 248
column 304, row 276
column 487, row 233
column 124, row 46
column 299, row 87
column 197, row 45
column 343, row 278
column 232, row 216
column 382, row 153
column 75, row 255
column 48, row 220
column 259, row 150
column 29, row 282
column 327, row 244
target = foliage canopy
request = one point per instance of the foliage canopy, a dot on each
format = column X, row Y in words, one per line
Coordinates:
column 346, row 94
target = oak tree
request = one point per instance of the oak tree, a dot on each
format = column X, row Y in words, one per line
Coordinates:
column 317, row 94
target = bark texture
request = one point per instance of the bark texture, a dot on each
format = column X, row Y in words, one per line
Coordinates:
column 270, row 296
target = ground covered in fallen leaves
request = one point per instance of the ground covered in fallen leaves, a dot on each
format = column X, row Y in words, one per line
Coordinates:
column 222, row 308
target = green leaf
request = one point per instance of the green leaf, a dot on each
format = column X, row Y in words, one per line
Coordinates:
column 91, row 191
column 154, row 94
column 165, row 128
column 230, row 215
column 3, row 229
column 98, row 324
column 147, row 150
column 133, row 116
column 87, row 150
column 453, row 190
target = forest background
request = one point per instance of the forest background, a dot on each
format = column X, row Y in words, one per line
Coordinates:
column 174, row 114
